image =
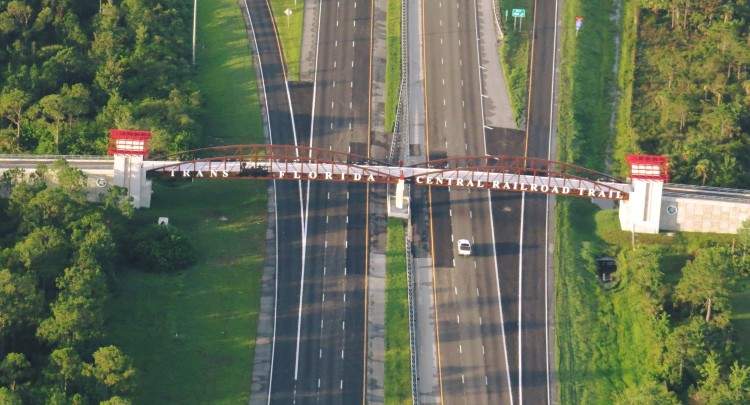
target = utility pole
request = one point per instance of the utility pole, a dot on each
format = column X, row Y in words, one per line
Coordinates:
column 195, row 19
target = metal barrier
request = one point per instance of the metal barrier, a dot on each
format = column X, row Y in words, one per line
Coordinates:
column 53, row 157
column 402, row 108
column 412, row 316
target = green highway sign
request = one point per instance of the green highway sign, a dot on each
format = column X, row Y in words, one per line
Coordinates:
column 519, row 12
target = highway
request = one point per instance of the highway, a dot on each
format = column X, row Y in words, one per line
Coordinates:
column 535, row 227
column 472, row 350
column 282, row 130
column 331, row 355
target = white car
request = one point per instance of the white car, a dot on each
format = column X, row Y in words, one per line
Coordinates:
column 464, row 247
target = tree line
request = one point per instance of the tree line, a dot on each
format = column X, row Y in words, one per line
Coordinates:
column 73, row 69
column 687, row 341
column 691, row 97
column 59, row 258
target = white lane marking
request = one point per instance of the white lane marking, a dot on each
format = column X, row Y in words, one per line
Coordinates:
column 346, row 243
column 483, row 352
column 344, row 270
column 318, row 382
column 489, row 198
column 354, row 23
column 336, row 43
column 450, row 212
column 321, row 324
column 477, row 287
column 460, row 349
column 442, row 61
column 324, row 270
column 331, row 105
column 350, row 105
column 334, row 83
column 520, row 310
column 351, row 85
column 343, row 325
column 451, row 237
column 441, row 23
column 302, row 210
column 455, row 290
column 480, row 323
column 485, row 380
column 475, row 266
column 325, row 245
column 347, row 219
column 344, row 297
column 341, row 385
column 352, row 44
column 352, row 63
column 326, row 218
column 463, row 381
column 337, row 23
column 471, row 214
column 446, row 144
column 347, row 195
column 443, row 79
column 454, row 262
column 324, row 297
column 320, row 353
column 342, row 353
column 458, row 318
column 334, row 64
column 443, row 101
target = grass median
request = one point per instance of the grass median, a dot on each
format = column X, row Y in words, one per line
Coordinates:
column 393, row 62
column 192, row 334
column 397, row 348
column 514, row 53
column 289, row 29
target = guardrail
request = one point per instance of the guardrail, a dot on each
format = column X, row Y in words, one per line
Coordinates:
column 412, row 315
column 402, row 108
column 53, row 157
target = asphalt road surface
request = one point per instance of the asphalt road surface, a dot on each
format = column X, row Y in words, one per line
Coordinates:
column 535, row 339
column 288, row 205
column 332, row 343
column 473, row 354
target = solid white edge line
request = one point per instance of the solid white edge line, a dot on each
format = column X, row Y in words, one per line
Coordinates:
column 303, row 223
column 275, row 203
column 546, row 216
column 492, row 219
column 520, row 301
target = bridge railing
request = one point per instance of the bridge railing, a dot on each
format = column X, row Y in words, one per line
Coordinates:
column 412, row 315
column 52, row 157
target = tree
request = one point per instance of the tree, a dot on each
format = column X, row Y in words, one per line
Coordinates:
column 20, row 301
column 649, row 392
column 116, row 400
column 44, row 252
column 113, row 370
column 8, row 397
column 53, row 108
column 715, row 389
column 74, row 320
column 13, row 103
column 65, row 367
column 13, row 369
column 707, row 280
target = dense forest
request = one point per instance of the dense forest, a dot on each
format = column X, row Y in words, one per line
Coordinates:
column 676, row 327
column 691, row 97
column 59, row 258
column 71, row 69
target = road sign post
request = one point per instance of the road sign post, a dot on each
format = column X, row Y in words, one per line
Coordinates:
column 288, row 13
column 518, row 15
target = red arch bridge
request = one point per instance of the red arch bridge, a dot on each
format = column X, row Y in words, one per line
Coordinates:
column 289, row 162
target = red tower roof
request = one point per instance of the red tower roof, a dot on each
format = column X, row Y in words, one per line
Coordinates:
column 128, row 142
column 649, row 167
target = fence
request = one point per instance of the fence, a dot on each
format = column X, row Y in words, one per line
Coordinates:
column 402, row 108
column 412, row 315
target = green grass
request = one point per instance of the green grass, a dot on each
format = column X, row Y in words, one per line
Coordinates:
column 393, row 62
column 290, row 32
column 624, row 139
column 397, row 353
column 192, row 334
column 514, row 55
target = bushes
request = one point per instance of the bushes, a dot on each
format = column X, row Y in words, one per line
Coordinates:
column 160, row 249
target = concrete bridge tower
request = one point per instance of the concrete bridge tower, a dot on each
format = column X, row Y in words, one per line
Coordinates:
column 128, row 149
column 642, row 211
